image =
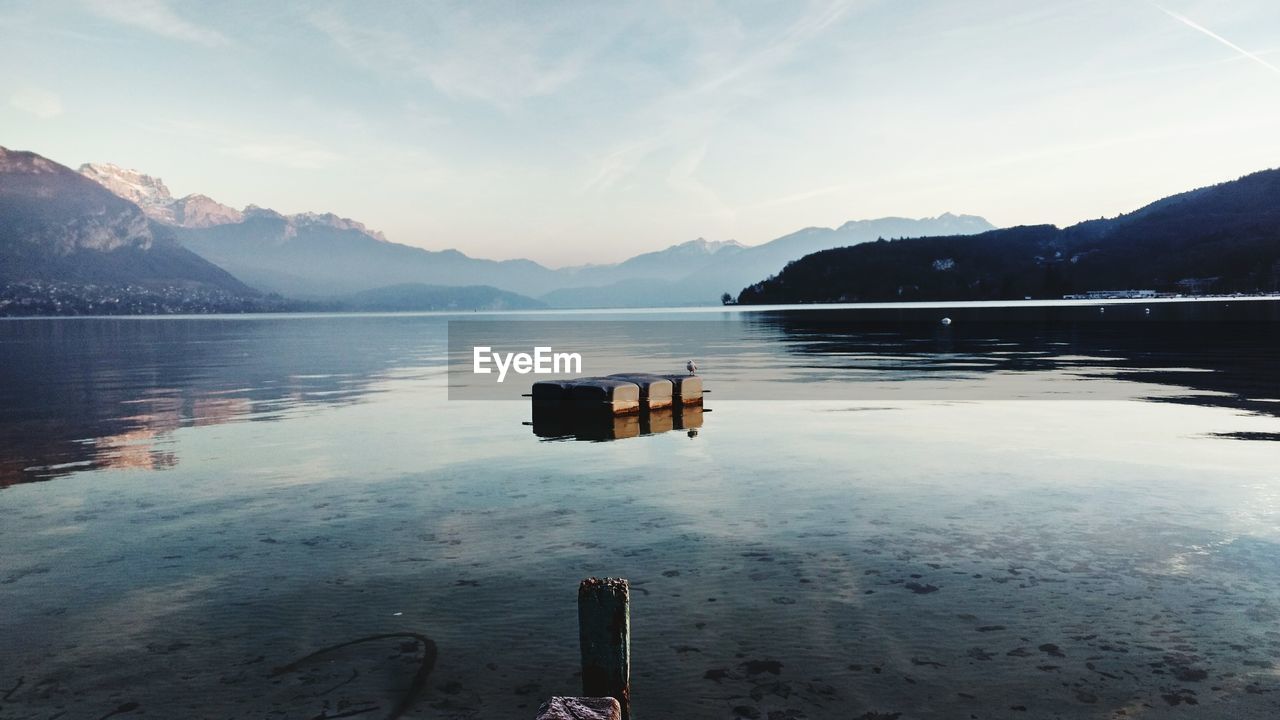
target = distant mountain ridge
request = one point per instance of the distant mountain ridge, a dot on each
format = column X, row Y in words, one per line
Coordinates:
column 703, row 283
column 58, row 226
column 669, row 263
column 1223, row 238
column 152, row 196
column 71, row 246
column 322, row 256
column 311, row 255
column 196, row 211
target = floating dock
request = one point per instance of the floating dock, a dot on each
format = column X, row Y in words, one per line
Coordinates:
column 620, row 394
column 619, row 406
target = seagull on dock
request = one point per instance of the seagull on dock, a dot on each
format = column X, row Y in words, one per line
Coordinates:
column 692, row 367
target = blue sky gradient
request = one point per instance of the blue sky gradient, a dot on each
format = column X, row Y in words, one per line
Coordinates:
column 589, row 132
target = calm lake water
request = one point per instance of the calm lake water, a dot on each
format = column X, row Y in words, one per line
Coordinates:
column 1031, row 519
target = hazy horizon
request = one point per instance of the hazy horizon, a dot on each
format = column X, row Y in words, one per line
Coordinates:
column 572, row 134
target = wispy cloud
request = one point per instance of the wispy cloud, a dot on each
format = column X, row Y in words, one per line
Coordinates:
column 620, row 161
column 683, row 177
column 156, row 16
column 1206, row 31
column 802, row 196
column 41, row 103
column 284, row 154
column 688, row 115
column 809, row 25
column 462, row 56
column 283, row 150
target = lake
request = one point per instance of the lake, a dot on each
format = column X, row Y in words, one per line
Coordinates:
column 1037, row 516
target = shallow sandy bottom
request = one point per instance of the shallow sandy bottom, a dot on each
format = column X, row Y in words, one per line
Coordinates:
column 862, row 569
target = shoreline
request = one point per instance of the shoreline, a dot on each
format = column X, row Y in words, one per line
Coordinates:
column 692, row 309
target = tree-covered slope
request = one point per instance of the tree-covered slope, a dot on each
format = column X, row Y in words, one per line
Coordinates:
column 1223, row 238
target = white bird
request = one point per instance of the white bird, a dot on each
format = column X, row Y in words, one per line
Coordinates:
column 692, row 367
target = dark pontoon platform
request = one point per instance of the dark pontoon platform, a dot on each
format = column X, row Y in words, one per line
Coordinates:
column 620, row 394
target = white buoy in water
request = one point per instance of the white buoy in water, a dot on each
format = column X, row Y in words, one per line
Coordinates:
column 946, row 321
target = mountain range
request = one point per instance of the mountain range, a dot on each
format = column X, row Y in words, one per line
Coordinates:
column 729, row 268
column 105, row 227
column 322, row 256
column 153, row 198
column 56, row 225
column 1219, row 239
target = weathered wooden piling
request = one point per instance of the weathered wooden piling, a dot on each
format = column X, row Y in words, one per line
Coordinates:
column 604, row 631
column 580, row 708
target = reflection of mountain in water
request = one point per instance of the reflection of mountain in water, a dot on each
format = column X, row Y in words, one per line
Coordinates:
column 96, row 393
column 91, row 393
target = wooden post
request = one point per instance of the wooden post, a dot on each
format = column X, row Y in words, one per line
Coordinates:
column 604, row 631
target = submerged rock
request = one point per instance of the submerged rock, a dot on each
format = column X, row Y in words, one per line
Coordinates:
column 580, row 708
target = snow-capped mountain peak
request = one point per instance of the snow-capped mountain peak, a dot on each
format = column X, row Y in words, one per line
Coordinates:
column 145, row 191
column 334, row 221
column 203, row 211
column 151, row 195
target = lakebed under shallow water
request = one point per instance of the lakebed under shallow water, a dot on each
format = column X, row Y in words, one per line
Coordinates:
column 192, row 505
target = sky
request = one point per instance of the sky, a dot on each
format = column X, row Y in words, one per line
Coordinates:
column 584, row 132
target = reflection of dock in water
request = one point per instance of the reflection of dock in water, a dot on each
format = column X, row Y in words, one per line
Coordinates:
column 556, row 425
column 617, row 407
